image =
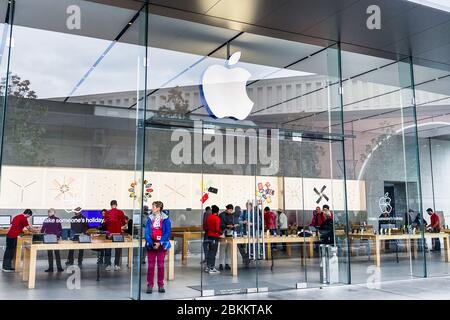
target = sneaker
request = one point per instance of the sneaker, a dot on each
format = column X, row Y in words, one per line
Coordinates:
column 149, row 290
column 8, row 270
column 213, row 271
column 108, row 268
column 227, row 267
column 117, row 268
column 220, row 267
column 207, row 269
column 161, row 290
column 68, row 263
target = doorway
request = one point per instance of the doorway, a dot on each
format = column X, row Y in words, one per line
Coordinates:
column 268, row 176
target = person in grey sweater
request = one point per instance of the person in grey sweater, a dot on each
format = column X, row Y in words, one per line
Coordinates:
column 282, row 226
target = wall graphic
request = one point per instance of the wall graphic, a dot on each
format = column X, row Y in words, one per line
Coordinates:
column 67, row 188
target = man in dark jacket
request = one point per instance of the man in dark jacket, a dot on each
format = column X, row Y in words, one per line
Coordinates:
column 327, row 227
column 52, row 225
column 78, row 225
column 228, row 225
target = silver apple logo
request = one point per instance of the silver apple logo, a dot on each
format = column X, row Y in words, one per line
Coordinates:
column 224, row 90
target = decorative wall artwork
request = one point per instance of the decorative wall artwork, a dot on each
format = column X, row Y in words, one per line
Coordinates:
column 102, row 186
column 237, row 190
column 21, row 187
column 293, row 198
column 264, row 193
column 134, row 189
column 69, row 188
column 64, row 188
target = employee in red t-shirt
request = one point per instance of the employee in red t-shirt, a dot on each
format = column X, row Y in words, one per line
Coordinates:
column 114, row 221
column 17, row 225
column 212, row 229
column 435, row 227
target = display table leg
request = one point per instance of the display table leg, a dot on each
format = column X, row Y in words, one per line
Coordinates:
column 234, row 258
column 32, row 269
column 377, row 252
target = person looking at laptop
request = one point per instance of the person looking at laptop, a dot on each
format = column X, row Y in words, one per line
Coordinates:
column 52, row 225
column 18, row 224
column 114, row 221
column 78, row 225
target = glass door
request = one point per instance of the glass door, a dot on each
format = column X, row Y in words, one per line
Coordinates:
column 228, row 185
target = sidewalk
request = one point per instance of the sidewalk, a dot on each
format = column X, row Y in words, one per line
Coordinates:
column 437, row 288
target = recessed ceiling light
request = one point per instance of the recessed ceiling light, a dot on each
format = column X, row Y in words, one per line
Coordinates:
column 443, row 5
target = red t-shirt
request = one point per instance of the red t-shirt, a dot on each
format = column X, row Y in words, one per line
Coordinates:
column 18, row 223
column 435, row 220
column 213, row 226
column 114, row 220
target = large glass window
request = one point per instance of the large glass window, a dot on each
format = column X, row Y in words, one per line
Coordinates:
column 382, row 156
column 67, row 145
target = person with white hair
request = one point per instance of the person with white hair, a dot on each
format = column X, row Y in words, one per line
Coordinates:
column 327, row 228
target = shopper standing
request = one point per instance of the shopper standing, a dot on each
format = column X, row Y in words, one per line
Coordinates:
column 282, row 226
column 206, row 214
column 18, row 224
column 270, row 221
column 228, row 225
column 214, row 232
column 114, row 221
column 78, row 225
column 434, row 227
column 157, row 237
column 52, row 225
column 327, row 227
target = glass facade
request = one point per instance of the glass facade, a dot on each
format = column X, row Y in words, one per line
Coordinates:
column 104, row 103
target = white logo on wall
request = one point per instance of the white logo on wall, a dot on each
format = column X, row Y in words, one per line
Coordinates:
column 224, row 90
column 385, row 203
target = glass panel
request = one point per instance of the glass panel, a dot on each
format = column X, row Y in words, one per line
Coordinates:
column 6, row 20
column 433, row 121
column 64, row 148
column 141, row 187
column 381, row 158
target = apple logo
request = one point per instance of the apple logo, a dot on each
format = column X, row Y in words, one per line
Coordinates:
column 224, row 90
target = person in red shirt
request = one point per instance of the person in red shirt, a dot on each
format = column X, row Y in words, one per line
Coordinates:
column 317, row 218
column 212, row 229
column 17, row 225
column 435, row 227
column 114, row 221
column 270, row 221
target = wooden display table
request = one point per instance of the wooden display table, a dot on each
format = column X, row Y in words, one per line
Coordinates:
column 186, row 236
column 267, row 241
column 31, row 250
column 409, row 239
